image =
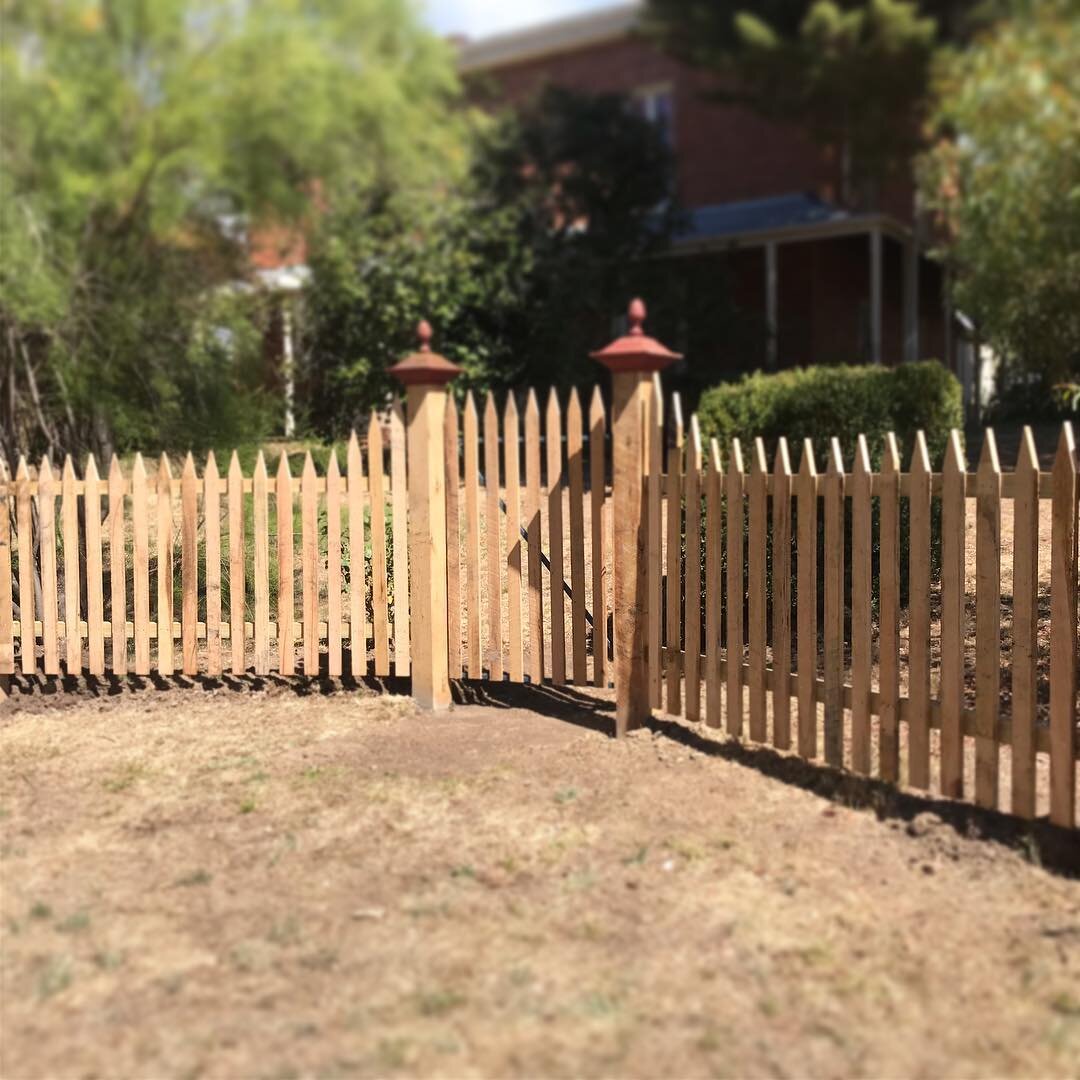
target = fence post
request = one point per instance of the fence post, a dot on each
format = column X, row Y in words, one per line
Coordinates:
column 632, row 360
column 424, row 375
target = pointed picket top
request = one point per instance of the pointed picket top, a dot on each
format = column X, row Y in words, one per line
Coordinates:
column 658, row 397
column 332, row 469
column 782, row 464
column 759, row 464
column 283, row 474
column 861, row 465
column 573, row 408
column 735, row 465
column 308, row 474
column 260, row 468
column 470, row 407
column 808, row 466
column 716, row 461
column 554, row 409
column 954, row 454
column 1065, row 458
column 836, row 459
column 164, row 472
column 596, row 405
column 210, row 469
column 45, row 473
column 116, row 473
column 532, row 406
column 920, row 455
column 1027, row 456
column 491, row 414
column 188, row 472
column 353, row 466
column 22, row 470
column 695, row 441
column 676, row 411
column 988, row 457
column 510, row 410
column 90, row 472
column 375, row 440
column 68, row 474
column 890, row 459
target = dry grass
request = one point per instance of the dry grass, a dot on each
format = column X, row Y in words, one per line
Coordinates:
column 270, row 884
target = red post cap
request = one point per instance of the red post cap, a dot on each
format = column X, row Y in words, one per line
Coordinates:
column 424, row 367
column 636, row 351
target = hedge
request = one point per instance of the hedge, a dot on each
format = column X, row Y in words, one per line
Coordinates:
column 820, row 402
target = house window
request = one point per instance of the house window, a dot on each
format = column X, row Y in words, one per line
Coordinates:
column 657, row 105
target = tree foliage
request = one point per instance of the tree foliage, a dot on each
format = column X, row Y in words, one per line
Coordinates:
column 519, row 267
column 140, row 139
column 853, row 73
column 1004, row 180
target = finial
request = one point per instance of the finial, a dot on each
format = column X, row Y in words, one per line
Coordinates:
column 423, row 333
column 636, row 315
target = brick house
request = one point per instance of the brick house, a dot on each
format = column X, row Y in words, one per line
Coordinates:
column 828, row 282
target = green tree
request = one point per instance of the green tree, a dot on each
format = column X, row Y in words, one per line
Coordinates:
column 852, row 73
column 520, row 266
column 1004, row 179
column 140, row 138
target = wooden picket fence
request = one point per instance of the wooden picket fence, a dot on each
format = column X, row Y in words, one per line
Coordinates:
column 735, row 632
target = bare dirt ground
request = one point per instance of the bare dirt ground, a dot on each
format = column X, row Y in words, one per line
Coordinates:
column 275, row 883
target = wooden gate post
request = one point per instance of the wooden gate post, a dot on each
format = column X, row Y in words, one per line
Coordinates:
column 424, row 375
column 632, row 359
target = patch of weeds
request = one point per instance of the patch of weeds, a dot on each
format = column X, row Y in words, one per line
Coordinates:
column 438, row 1002
column 108, row 960
column 247, row 806
column 599, row 1005
column 581, row 881
column 769, row 1006
column 709, row 1041
column 520, row 976
column 74, row 924
column 690, row 850
column 320, row 960
column 288, row 846
column 224, row 763
column 508, row 864
column 463, row 871
column 14, row 927
column 637, row 858
column 286, row 932
column 258, row 777
column 565, row 795
column 394, row 1053
column 40, row 910
column 54, row 977
column 125, row 777
column 196, row 877
column 422, row 911
column 1065, row 1003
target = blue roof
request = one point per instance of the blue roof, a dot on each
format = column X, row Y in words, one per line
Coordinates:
column 757, row 215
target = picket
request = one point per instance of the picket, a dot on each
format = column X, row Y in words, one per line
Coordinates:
column 212, row 514
column 576, row 474
column 654, row 456
column 286, row 599
column 165, row 555
column 309, row 565
column 7, row 623
column 260, row 518
column 597, row 524
column 889, row 612
column 492, row 535
column 69, row 514
column 140, row 523
column 953, row 514
column 987, row 622
column 714, row 602
column 357, row 571
column 25, row 541
column 756, row 583
column 453, row 537
column 333, row 567
column 95, row 602
column 118, row 656
column 673, row 594
column 919, row 616
column 47, row 556
column 1063, row 632
column 399, row 496
column 781, row 597
column 532, row 528
column 512, row 460
column 379, row 602
column 806, row 598
column 237, row 568
column 189, row 567
column 832, row 630
column 734, row 485
column 692, row 633
column 472, row 540
column 1025, row 649
column 557, row 572
column 862, row 552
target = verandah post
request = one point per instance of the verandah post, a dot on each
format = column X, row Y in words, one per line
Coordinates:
column 424, row 375
column 632, row 360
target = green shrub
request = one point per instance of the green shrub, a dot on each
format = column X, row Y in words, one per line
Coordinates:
column 821, row 402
